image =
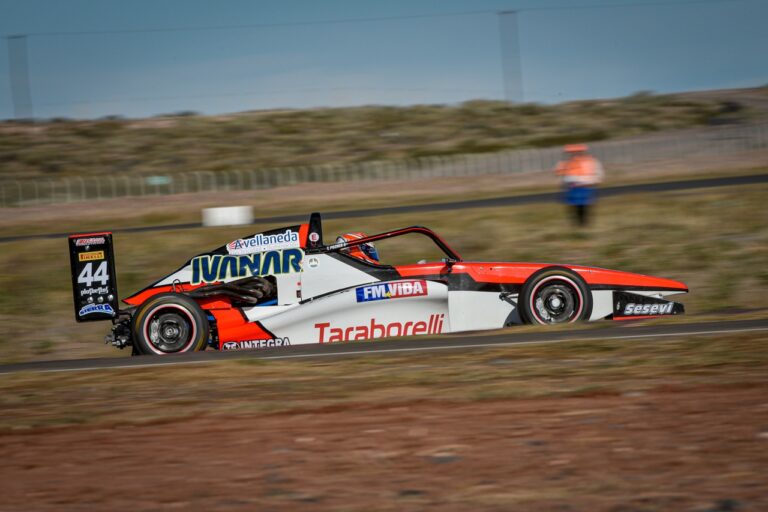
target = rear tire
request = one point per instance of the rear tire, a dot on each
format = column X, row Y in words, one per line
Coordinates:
column 555, row 295
column 170, row 323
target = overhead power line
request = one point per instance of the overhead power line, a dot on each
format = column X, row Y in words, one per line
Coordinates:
column 254, row 25
column 652, row 3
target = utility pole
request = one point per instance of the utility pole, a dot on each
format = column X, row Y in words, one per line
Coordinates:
column 511, row 65
column 18, row 72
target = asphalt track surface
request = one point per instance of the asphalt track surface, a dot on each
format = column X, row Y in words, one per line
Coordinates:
column 544, row 197
column 458, row 342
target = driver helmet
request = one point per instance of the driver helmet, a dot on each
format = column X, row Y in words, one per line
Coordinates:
column 366, row 251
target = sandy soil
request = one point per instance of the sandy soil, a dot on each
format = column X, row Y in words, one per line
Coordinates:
column 701, row 449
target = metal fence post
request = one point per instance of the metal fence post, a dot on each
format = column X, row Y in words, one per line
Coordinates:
column 83, row 190
column 429, row 167
column 272, row 177
column 213, row 182
column 21, row 194
column 445, row 167
column 127, row 186
column 275, row 176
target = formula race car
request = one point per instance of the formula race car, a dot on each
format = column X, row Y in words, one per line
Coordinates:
column 286, row 287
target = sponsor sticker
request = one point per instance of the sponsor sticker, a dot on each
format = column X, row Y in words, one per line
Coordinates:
column 272, row 342
column 90, row 241
column 648, row 309
column 91, row 256
column 96, row 308
column 328, row 333
column 99, row 290
column 397, row 290
column 314, row 237
column 263, row 243
column 215, row 268
column 313, row 262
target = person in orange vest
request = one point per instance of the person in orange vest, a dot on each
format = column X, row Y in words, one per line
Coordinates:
column 580, row 174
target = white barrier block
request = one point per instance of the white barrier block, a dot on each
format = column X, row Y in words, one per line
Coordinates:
column 228, row 216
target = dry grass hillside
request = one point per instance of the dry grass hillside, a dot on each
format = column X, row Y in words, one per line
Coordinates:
column 186, row 141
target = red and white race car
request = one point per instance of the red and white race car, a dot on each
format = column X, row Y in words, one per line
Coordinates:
column 286, row 287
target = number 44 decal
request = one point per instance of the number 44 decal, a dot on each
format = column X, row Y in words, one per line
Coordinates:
column 88, row 276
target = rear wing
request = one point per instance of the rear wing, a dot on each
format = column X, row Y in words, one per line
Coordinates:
column 94, row 283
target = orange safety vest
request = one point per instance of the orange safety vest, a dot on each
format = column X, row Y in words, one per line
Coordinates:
column 580, row 170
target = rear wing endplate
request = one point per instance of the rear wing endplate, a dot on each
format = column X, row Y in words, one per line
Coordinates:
column 94, row 283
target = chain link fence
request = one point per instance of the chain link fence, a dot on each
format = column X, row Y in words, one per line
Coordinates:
column 628, row 152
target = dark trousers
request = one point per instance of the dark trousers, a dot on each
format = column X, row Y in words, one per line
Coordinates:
column 579, row 200
column 581, row 214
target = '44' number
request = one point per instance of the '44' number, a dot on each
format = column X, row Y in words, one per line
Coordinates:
column 88, row 276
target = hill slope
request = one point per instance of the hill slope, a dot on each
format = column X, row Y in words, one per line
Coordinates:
column 307, row 137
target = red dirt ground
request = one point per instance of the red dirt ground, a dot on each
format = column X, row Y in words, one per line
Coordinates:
column 699, row 449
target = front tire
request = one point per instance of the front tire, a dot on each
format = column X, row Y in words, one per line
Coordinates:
column 555, row 295
column 170, row 323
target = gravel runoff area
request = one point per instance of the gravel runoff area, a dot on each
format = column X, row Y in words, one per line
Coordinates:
column 697, row 449
column 678, row 425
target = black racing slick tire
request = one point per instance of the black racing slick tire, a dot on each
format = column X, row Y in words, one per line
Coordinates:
column 170, row 323
column 555, row 295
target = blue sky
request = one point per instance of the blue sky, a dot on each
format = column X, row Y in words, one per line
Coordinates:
column 397, row 52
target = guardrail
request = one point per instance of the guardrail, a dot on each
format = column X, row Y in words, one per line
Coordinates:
column 699, row 142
